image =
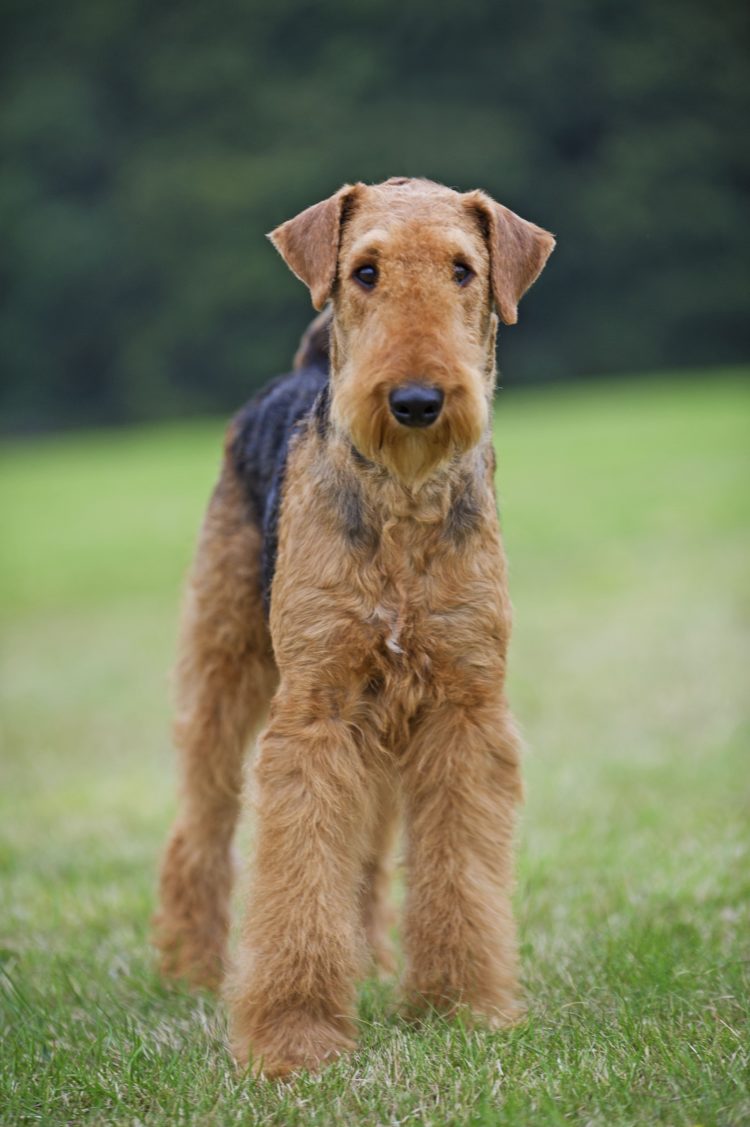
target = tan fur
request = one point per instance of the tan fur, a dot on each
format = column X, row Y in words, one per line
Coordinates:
column 390, row 649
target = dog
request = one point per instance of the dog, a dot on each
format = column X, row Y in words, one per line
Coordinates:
column 349, row 596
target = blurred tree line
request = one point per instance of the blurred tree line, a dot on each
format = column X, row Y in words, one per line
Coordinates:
column 147, row 147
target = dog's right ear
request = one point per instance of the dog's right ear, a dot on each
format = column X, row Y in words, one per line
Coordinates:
column 309, row 243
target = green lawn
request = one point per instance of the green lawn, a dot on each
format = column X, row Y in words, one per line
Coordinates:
column 627, row 518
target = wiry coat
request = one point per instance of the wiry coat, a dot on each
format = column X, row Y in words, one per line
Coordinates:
column 377, row 554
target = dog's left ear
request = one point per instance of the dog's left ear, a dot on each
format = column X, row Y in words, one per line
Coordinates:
column 518, row 251
column 309, row 243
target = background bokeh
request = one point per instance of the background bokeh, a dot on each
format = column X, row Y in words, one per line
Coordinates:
column 148, row 147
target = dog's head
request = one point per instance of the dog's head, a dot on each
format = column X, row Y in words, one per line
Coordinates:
column 413, row 270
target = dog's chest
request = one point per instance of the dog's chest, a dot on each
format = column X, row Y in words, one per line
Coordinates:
column 425, row 603
column 434, row 626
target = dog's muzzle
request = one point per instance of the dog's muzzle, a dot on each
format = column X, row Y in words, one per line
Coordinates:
column 415, row 404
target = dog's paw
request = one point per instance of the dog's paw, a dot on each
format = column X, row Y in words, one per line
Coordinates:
column 499, row 1012
column 197, row 960
column 291, row 1043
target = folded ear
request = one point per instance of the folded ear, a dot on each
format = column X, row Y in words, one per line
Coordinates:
column 518, row 251
column 309, row 243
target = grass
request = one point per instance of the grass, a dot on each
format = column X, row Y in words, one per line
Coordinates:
column 626, row 516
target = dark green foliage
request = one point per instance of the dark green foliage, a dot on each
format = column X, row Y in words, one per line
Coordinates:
column 148, row 147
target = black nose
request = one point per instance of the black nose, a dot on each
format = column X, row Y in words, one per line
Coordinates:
column 415, row 404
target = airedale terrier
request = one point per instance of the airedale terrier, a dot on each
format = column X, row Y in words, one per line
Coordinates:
column 350, row 583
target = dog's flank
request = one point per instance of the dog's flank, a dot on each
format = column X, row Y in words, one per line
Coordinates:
column 356, row 506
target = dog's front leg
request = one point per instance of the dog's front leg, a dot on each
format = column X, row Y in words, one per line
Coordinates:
column 461, row 784
column 293, row 994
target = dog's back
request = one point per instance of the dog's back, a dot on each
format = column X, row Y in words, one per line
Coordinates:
column 263, row 428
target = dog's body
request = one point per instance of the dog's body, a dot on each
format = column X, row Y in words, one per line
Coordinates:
column 351, row 575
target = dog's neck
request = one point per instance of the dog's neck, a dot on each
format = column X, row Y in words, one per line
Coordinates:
column 452, row 485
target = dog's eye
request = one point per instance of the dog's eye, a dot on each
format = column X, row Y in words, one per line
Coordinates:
column 462, row 273
column 367, row 276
